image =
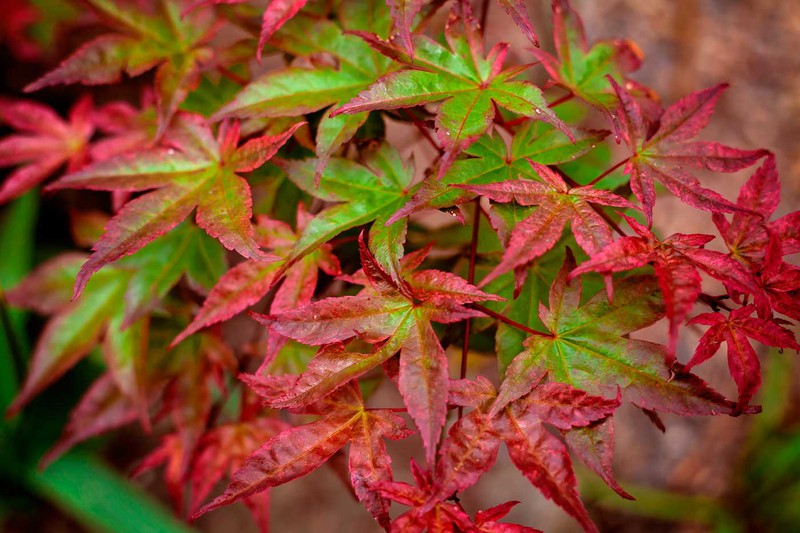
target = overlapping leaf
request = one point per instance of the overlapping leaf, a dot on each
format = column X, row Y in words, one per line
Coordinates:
column 747, row 235
column 587, row 347
column 396, row 316
column 361, row 194
column 201, row 173
column 468, row 85
column 299, row 450
column 472, row 443
column 297, row 90
column 557, row 204
column 491, row 160
column 583, row 70
column 676, row 260
column 248, row 282
column 661, row 152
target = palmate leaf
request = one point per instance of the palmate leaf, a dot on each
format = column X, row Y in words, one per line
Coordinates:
column 467, row 85
column 587, row 349
column 201, row 173
column 676, row 260
column 663, row 154
column 583, row 70
column 747, row 236
column 298, row 90
column 492, row 160
column 299, row 450
column 157, row 36
column 734, row 330
column 45, row 142
column 557, row 204
column 472, row 443
column 396, row 316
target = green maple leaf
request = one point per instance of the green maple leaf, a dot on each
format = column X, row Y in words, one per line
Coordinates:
column 361, row 194
column 297, row 90
column 114, row 309
column 587, row 348
column 201, row 173
column 492, row 160
column 143, row 39
column 467, row 85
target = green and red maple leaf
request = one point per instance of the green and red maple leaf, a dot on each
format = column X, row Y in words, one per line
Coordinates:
column 198, row 172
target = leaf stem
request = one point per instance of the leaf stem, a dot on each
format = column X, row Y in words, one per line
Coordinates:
column 422, row 129
column 506, row 320
column 607, row 172
column 473, row 253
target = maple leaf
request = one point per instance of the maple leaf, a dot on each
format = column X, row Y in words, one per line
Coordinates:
column 492, row 160
column 557, row 204
column 468, row 86
column 222, row 451
column 361, row 194
column 202, row 173
column 587, row 348
column 143, row 39
column 125, row 127
column 248, row 282
column 101, row 409
column 662, row 151
column 45, row 142
column 299, row 450
column 397, row 316
column 473, row 441
column 676, row 260
column 298, row 90
column 747, row 235
column 115, row 307
column 734, row 330
column 582, row 70
column 426, row 514
column 780, row 282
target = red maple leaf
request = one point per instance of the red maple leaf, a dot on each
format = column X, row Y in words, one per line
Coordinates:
column 557, row 204
column 44, row 143
column 299, row 450
column 735, row 329
column 676, row 260
column 661, row 151
column 472, row 443
column 248, row 282
column 395, row 316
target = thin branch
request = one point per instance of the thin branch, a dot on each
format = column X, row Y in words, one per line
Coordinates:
column 484, row 15
column 506, row 320
column 609, row 171
column 232, row 76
